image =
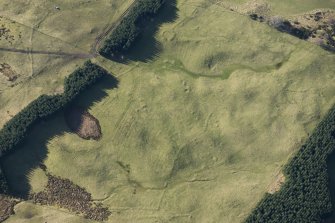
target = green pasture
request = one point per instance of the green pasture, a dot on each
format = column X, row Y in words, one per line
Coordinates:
column 199, row 126
column 72, row 29
column 288, row 7
column 28, row 212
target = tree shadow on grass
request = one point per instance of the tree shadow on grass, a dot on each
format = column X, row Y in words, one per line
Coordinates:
column 31, row 153
column 146, row 47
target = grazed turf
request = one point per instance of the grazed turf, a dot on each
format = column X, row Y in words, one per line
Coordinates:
column 43, row 28
column 28, row 212
column 285, row 8
column 199, row 132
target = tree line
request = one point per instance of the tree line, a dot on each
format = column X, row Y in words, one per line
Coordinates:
column 127, row 31
column 306, row 195
column 15, row 130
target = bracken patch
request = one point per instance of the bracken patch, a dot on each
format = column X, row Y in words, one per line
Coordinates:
column 65, row 194
column 83, row 123
column 6, row 207
column 8, row 72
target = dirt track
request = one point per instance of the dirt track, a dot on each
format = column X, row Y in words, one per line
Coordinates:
column 108, row 29
column 76, row 55
column 94, row 48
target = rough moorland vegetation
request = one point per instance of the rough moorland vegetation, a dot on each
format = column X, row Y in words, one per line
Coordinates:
column 128, row 30
column 16, row 129
column 317, row 27
column 65, row 194
column 306, row 196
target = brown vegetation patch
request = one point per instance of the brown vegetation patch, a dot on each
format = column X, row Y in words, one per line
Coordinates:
column 317, row 27
column 65, row 194
column 5, row 33
column 276, row 185
column 6, row 207
column 7, row 71
column 321, row 24
column 83, row 123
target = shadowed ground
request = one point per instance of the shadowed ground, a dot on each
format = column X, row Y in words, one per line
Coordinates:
column 18, row 164
column 146, row 48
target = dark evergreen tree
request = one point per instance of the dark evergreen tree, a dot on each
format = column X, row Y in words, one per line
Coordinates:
column 306, row 196
column 127, row 30
column 16, row 129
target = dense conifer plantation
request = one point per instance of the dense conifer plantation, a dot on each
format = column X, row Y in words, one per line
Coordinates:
column 16, row 129
column 306, row 196
column 127, row 31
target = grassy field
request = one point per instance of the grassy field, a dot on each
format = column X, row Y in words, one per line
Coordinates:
column 196, row 131
column 28, row 212
column 286, row 8
column 37, row 25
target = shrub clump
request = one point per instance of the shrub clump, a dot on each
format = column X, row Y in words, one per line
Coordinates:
column 127, row 30
column 306, row 196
